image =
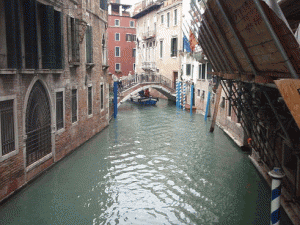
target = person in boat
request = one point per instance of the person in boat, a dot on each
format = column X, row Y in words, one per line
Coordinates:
column 147, row 93
column 142, row 93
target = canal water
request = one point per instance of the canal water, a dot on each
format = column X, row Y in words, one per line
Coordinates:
column 152, row 165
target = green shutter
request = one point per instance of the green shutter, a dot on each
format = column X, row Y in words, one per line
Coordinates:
column 69, row 33
column 77, row 52
column 58, row 40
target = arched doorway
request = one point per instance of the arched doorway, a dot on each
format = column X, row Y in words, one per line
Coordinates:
column 38, row 124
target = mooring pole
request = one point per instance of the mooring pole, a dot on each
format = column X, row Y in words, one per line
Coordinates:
column 192, row 97
column 276, row 174
column 115, row 99
column 184, row 96
column 180, row 93
column 207, row 106
column 177, row 93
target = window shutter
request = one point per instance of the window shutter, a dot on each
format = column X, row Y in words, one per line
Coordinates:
column 172, row 46
column 49, row 38
column 69, row 33
column 175, row 46
column 58, row 40
column 91, row 43
column 77, row 53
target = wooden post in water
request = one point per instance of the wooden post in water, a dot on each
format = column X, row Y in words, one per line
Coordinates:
column 115, row 99
column 217, row 103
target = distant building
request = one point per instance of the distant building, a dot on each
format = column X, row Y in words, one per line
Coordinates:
column 53, row 83
column 121, row 39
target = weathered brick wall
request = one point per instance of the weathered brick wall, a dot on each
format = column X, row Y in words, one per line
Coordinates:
column 13, row 172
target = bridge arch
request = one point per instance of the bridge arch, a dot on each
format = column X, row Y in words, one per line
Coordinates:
column 169, row 93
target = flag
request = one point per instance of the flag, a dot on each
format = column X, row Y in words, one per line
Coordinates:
column 193, row 41
column 186, row 44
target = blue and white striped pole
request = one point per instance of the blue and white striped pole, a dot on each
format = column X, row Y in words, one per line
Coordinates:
column 180, row 93
column 277, row 175
column 177, row 94
column 115, row 99
column 192, row 97
column 184, row 96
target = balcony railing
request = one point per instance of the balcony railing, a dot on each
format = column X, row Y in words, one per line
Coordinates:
column 149, row 34
column 149, row 66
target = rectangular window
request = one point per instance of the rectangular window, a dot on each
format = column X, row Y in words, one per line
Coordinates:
column 161, row 49
column 7, row 129
column 203, row 71
column 168, row 19
column 133, row 52
column 117, row 23
column 59, row 110
column 173, row 47
column 188, row 69
column 103, row 4
column 128, row 37
column 101, row 96
column 162, row 19
column 131, row 23
column 74, row 105
column 199, row 72
column 89, row 44
column 90, row 100
column 133, row 37
column 117, row 36
column 73, row 39
column 175, row 17
column 209, row 69
column 118, row 66
column 117, row 52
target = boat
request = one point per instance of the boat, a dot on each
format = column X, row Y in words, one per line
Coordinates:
column 143, row 100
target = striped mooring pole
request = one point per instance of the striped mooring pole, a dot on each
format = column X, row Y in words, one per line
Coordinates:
column 115, row 99
column 192, row 97
column 276, row 174
column 180, row 94
column 177, row 93
column 184, row 96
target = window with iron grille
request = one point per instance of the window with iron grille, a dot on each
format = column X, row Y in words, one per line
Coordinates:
column 101, row 96
column 7, row 129
column 173, row 47
column 74, row 105
column 73, row 39
column 89, row 44
column 59, row 110
column 90, row 101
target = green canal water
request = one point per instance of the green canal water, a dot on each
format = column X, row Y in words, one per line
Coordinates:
column 152, row 165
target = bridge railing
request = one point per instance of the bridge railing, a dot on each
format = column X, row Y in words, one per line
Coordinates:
column 143, row 78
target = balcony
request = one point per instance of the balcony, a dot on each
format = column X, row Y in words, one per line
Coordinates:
column 149, row 34
column 149, row 66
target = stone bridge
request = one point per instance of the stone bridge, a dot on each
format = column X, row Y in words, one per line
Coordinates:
column 141, row 82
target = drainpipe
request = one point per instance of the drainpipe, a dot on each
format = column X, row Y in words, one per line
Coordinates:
column 276, row 174
column 276, row 39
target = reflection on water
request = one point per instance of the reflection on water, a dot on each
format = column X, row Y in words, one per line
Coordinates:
column 153, row 165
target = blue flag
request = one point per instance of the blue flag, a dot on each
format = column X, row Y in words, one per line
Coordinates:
column 186, row 44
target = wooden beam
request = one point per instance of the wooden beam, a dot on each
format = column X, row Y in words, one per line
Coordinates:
column 217, row 103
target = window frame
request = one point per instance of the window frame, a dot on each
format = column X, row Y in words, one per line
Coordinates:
column 131, row 21
column 116, row 51
column 119, row 67
column 118, row 22
column 60, row 130
column 15, row 118
column 92, row 95
column 74, row 122
column 116, row 36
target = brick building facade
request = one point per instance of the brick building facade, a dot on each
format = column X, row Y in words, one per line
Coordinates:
column 53, row 83
column 121, row 40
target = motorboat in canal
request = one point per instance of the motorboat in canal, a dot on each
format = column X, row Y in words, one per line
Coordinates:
column 143, row 98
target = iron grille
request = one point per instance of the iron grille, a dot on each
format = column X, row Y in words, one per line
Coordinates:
column 74, row 105
column 59, row 110
column 101, row 96
column 7, row 127
column 38, row 125
column 90, row 106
